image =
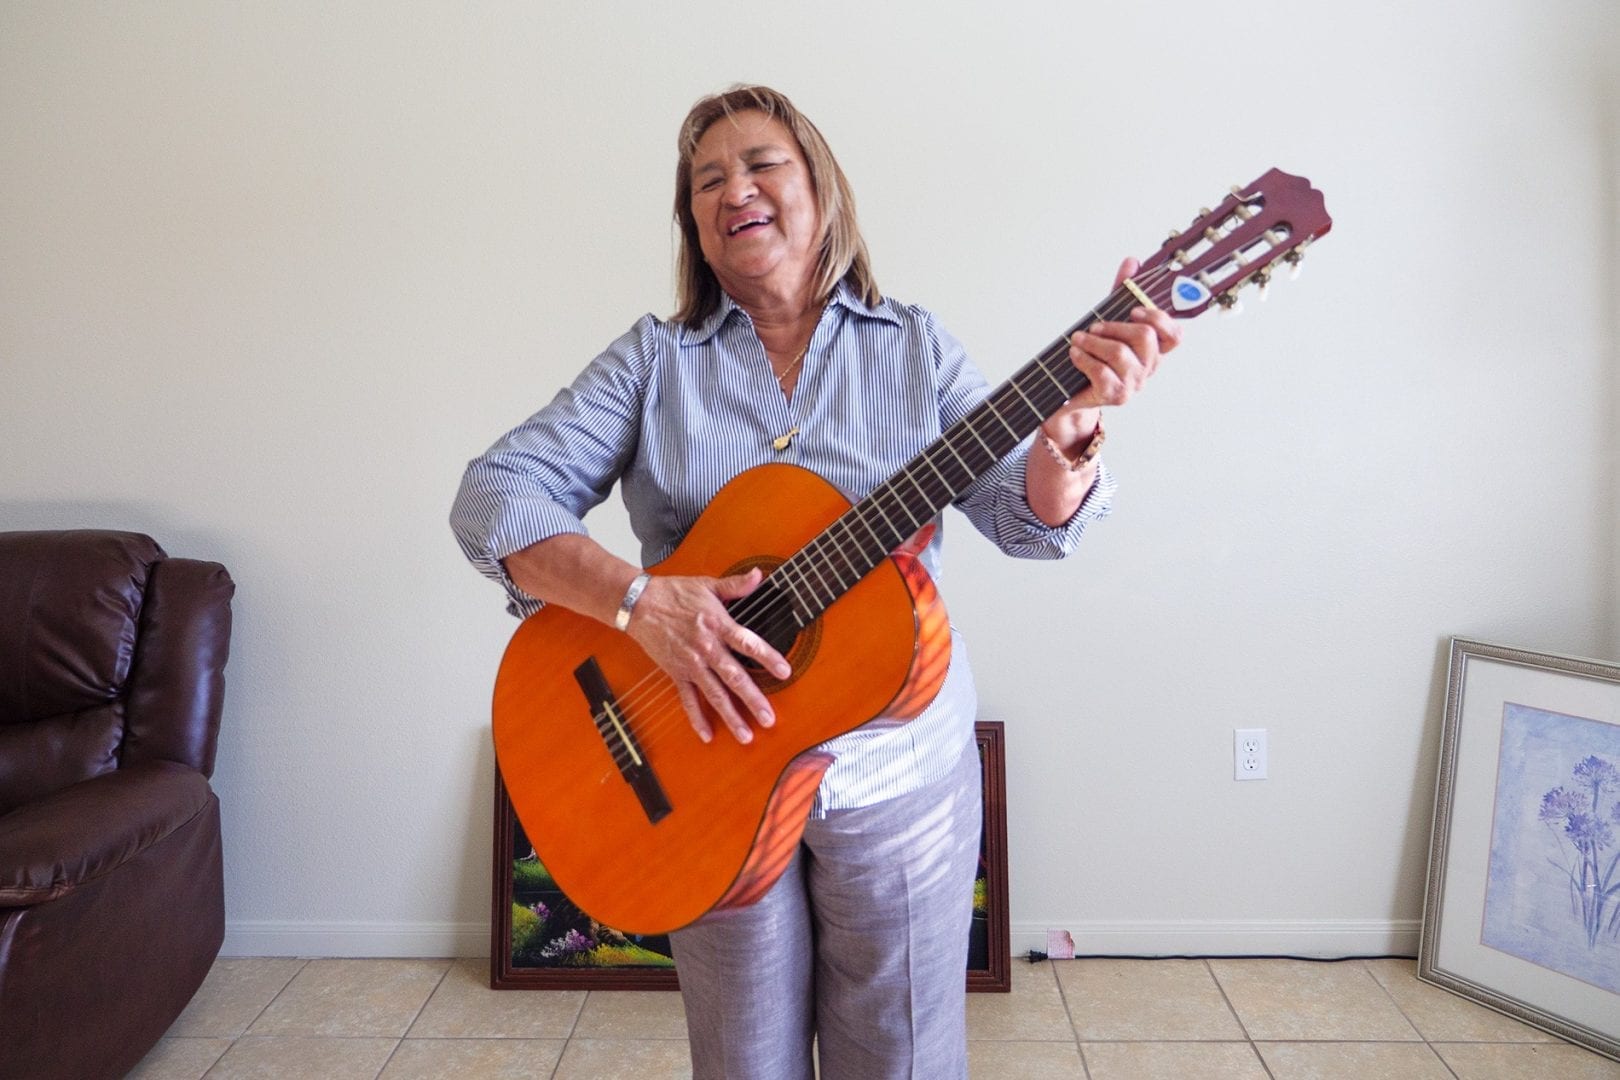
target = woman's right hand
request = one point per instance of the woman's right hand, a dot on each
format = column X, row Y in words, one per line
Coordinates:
column 683, row 625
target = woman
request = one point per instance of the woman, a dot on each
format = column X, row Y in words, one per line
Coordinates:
column 784, row 350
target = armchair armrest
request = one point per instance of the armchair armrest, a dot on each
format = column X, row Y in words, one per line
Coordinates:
column 54, row 844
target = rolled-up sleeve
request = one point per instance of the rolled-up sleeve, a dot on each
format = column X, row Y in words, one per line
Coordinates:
column 997, row 503
column 539, row 479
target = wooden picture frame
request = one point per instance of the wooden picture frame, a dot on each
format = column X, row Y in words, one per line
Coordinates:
column 531, row 949
column 1522, row 912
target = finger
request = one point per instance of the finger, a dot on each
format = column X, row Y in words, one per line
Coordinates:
column 722, row 662
column 738, row 586
column 1112, row 366
column 1127, row 268
column 720, row 700
column 757, row 649
column 1167, row 329
column 1124, row 349
column 694, row 712
column 742, row 685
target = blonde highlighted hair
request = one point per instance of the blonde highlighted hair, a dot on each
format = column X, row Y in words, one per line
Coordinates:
column 843, row 251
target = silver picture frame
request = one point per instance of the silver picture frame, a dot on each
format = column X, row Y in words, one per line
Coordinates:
column 1522, row 909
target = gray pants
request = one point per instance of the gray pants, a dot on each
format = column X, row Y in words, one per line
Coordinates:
column 862, row 944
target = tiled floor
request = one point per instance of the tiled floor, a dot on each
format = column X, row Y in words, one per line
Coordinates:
column 1087, row 1019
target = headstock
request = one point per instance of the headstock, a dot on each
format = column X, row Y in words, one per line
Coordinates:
column 1236, row 244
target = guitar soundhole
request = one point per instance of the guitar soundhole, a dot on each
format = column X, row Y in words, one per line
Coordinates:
column 768, row 612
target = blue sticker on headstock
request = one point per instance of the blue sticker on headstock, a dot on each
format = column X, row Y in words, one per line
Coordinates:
column 1187, row 293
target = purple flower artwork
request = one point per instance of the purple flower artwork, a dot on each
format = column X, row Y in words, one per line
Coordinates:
column 1553, row 884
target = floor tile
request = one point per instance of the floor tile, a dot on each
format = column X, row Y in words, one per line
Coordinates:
column 463, row 1006
column 1032, row 1011
column 1352, row 1061
column 352, row 997
column 1441, row 1016
column 473, row 1059
column 1525, row 1061
column 632, row 1014
column 179, row 1059
column 1172, row 1061
column 235, row 992
column 295, row 1057
column 625, row 1059
column 1298, row 999
column 1160, row 1000
column 1024, row 1061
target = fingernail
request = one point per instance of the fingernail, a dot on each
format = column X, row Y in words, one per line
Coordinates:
column 766, row 719
column 706, row 736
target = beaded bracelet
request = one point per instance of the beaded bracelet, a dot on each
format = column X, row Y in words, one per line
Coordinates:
column 1087, row 456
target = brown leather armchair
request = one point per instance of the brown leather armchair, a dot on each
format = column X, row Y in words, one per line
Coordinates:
column 112, row 903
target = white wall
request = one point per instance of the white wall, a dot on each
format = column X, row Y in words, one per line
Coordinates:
column 269, row 275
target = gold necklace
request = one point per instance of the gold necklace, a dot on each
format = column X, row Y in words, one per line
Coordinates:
column 783, row 441
column 781, row 380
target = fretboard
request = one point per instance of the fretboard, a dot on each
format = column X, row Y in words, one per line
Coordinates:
column 844, row 552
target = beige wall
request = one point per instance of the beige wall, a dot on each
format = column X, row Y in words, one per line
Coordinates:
column 269, row 274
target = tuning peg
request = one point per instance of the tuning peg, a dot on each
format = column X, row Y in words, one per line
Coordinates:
column 1294, row 259
column 1230, row 304
column 1262, row 278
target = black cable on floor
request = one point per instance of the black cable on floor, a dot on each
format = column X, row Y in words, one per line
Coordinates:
column 1036, row 956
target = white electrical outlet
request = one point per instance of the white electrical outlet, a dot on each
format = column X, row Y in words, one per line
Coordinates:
column 1249, row 753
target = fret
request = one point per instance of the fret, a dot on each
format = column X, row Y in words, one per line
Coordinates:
column 990, row 405
column 981, row 442
column 1013, row 382
column 793, row 590
column 831, row 537
column 832, row 593
column 915, row 524
column 1053, row 377
column 927, row 459
column 917, row 484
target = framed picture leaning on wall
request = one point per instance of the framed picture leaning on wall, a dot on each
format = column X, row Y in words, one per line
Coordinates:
column 539, row 940
column 1522, row 912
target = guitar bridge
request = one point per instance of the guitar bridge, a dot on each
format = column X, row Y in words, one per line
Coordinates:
column 614, row 728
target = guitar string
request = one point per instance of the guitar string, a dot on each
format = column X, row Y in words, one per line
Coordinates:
column 648, row 699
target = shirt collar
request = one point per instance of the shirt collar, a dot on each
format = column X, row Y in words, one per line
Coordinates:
column 843, row 295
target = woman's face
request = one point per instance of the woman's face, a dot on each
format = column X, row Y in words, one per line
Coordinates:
column 755, row 206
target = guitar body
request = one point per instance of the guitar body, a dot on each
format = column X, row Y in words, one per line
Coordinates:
column 735, row 812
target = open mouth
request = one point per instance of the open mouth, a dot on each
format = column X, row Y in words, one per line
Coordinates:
column 747, row 225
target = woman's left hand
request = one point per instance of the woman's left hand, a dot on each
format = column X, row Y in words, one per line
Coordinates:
column 1118, row 358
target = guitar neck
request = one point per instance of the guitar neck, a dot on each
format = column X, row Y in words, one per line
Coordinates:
column 843, row 553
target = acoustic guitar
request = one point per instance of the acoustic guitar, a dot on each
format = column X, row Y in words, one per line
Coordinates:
column 645, row 826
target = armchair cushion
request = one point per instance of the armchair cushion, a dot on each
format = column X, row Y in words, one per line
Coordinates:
column 56, row 844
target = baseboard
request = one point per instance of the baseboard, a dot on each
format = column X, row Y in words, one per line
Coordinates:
column 1369, row 937
column 1372, row 937
column 355, row 939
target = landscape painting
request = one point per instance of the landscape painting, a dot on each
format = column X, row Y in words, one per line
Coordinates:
column 541, row 940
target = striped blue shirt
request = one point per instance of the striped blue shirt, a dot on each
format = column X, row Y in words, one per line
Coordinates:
column 672, row 412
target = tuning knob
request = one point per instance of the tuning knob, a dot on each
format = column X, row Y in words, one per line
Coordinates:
column 1230, row 304
column 1262, row 278
column 1294, row 259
